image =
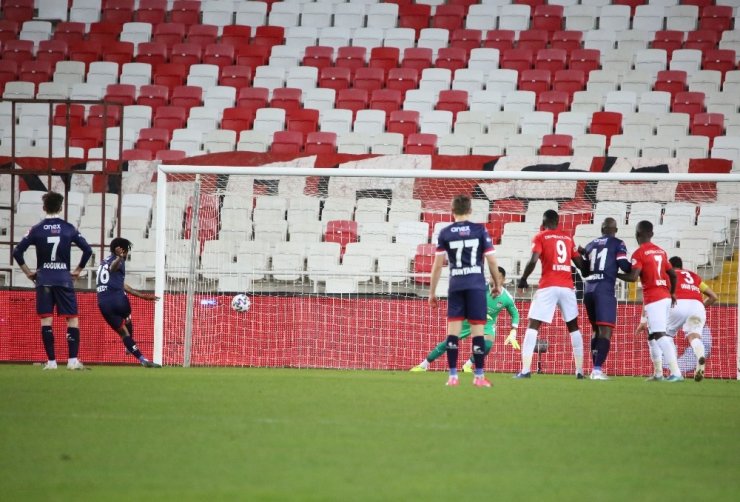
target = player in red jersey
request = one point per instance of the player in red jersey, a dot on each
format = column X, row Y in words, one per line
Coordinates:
column 689, row 314
column 555, row 249
column 650, row 264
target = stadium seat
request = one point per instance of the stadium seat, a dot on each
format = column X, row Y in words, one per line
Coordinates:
column 403, row 121
column 170, row 118
column 370, row 122
column 321, row 142
column 337, row 78
column 707, row 124
column 556, row 144
column 253, row 97
column 352, row 99
column 186, row 96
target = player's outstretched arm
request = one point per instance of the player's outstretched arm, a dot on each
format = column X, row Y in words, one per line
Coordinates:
column 583, row 265
column 630, row 276
column 140, row 294
column 439, row 260
column 711, row 296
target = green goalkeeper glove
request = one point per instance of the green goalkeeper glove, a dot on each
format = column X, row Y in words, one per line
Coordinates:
column 511, row 339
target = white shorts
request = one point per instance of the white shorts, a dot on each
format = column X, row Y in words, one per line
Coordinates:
column 543, row 304
column 689, row 316
column 657, row 315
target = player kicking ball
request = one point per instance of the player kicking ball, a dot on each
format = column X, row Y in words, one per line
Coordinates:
column 494, row 305
column 690, row 313
column 466, row 245
column 113, row 300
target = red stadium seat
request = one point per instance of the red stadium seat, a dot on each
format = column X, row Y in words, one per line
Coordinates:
column 168, row 33
column 415, row 15
column 237, row 119
column 302, row 121
column 86, row 51
column 186, row 12
column 569, row 81
column 104, row 32
column 171, row 155
column 341, row 231
column 86, row 137
column 568, row 40
column 187, row 54
column 18, row 51
column 73, row 113
column 448, row 16
column 423, row 260
column 104, row 116
column 388, row 100
column 70, row 32
column 170, row 74
column 417, row 58
column 235, row 76
column 547, row 18
column 369, row 79
column 466, row 39
column 154, row 96
column 551, row 59
column 403, row 121
column 136, row 154
column 202, row 34
column 334, row 78
column 352, row 99
column 253, row 97
column 321, row 142
column 688, row 102
column 153, row 140
column 668, row 40
column 187, row 96
column 403, row 79
column 556, row 144
column 702, row 40
column 52, row 51
column 672, row 81
column 8, row 72
column 170, row 118
column 553, row 101
column 269, row 35
column 124, row 94
column 118, row 11
column 453, row 101
column 153, row 12
column 318, row 56
column 716, row 18
column 384, row 57
column 17, row 10
column 154, row 53
column 350, row 58
column 719, row 59
column 585, row 60
column 499, row 39
column 517, row 59
column 252, row 55
column 287, row 142
column 288, row 99
column 606, row 123
column 420, row 144
column 708, row 124
column 533, row 40
column 36, row 71
column 236, row 35
column 535, row 80
column 9, row 30
column 118, row 52
column 219, row 54
column 452, row 58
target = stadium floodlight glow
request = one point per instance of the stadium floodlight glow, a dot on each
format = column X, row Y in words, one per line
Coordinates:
column 297, row 303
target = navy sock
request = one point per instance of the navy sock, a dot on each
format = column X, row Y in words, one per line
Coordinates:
column 452, row 351
column 73, row 341
column 479, row 352
column 593, row 350
column 47, row 335
column 130, row 328
column 131, row 346
column 602, row 350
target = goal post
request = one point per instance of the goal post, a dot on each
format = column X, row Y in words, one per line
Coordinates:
column 336, row 261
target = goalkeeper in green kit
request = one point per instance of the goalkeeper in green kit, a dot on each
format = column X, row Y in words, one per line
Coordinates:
column 494, row 307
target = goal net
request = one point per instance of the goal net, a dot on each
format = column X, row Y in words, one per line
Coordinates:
column 336, row 262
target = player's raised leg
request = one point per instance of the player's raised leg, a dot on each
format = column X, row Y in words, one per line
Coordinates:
column 433, row 355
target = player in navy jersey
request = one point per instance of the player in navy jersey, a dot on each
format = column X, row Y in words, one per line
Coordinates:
column 604, row 257
column 112, row 300
column 53, row 238
column 466, row 245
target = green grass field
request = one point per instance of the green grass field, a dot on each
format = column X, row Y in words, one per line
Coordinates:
column 126, row 433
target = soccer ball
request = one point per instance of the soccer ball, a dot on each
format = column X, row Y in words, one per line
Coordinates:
column 241, row 303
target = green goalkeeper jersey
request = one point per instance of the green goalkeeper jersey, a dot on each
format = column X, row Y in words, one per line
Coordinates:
column 494, row 307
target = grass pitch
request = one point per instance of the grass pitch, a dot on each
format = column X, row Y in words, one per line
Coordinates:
column 126, row 433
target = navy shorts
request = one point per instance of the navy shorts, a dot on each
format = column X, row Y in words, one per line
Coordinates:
column 467, row 304
column 61, row 297
column 116, row 311
column 601, row 309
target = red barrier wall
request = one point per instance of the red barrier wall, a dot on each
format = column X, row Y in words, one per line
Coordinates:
column 322, row 332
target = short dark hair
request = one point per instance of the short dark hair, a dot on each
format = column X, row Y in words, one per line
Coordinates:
column 120, row 242
column 676, row 261
column 551, row 216
column 644, row 226
column 52, row 202
column 461, row 205
column 502, row 271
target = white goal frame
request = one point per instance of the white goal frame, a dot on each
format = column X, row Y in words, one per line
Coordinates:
column 164, row 170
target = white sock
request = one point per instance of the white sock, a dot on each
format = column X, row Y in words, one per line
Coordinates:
column 530, row 340
column 698, row 347
column 657, row 358
column 670, row 355
column 576, row 339
column 424, row 364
